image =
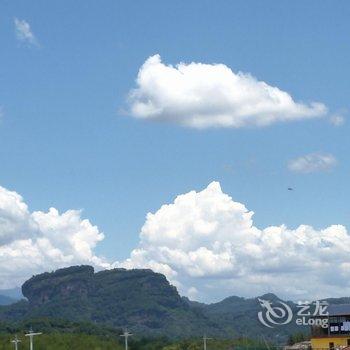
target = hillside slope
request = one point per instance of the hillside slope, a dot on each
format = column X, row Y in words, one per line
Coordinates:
column 141, row 300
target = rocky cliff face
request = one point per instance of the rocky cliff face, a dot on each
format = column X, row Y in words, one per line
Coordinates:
column 62, row 284
column 117, row 285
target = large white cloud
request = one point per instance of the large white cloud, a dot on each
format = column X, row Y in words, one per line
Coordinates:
column 34, row 242
column 206, row 243
column 212, row 95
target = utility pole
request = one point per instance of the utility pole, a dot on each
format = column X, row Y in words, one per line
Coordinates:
column 205, row 338
column 31, row 335
column 126, row 335
column 15, row 342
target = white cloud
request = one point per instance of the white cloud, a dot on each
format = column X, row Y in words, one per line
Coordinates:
column 24, row 32
column 207, row 244
column 212, row 95
column 34, row 242
column 313, row 162
column 337, row 119
column 204, row 242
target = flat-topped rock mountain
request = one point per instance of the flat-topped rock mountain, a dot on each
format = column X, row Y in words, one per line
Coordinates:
column 118, row 286
column 139, row 299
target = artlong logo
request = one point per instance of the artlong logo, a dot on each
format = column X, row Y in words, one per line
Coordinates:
column 274, row 315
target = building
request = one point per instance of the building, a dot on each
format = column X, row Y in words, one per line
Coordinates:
column 335, row 332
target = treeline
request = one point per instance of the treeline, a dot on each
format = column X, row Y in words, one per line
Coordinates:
column 60, row 334
column 64, row 341
column 49, row 326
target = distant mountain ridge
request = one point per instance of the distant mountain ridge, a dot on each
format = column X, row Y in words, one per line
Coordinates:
column 10, row 296
column 143, row 301
column 14, row 293
column 5, row 300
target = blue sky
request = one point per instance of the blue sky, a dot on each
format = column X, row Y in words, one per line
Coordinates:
column 66, row 141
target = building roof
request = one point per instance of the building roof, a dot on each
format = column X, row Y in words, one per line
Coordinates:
column 338, row 309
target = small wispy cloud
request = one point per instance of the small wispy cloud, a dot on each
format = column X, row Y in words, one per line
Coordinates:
column 313, row 162
column 24, row 32
column 337, row 119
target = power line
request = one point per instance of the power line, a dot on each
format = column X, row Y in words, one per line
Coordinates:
column 15, row 342
column 205, row 338
column 126, row 335
column 31, row 336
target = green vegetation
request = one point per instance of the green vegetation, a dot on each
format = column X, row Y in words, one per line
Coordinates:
column 138, row 299
column 297, row 338
column 63, row 335
column 236, row 344
column 82, row 341
column 141, row 300
column 52, row 326
column 63, row 342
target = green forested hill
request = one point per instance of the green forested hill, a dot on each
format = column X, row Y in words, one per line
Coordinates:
column 141, row 300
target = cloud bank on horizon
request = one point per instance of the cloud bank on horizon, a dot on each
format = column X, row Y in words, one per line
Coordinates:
column 202, row 96
column 204, row 242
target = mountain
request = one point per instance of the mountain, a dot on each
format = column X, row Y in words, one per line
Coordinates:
column 241, row 314
column 143, row 301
